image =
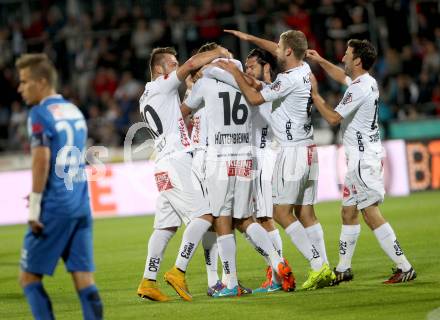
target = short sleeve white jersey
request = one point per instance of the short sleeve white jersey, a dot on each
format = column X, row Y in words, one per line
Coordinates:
column 261, row 118
column 228, row 118
column 292, row 103
column 160, row 109
column 359, row 108
column 199, row 134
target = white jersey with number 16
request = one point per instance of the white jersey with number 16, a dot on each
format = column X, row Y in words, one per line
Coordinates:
column 228, row 118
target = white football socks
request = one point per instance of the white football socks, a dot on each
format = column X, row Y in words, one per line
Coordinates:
column 190, row 240
column 156, row 247
column 316, row 236
column 209, row 242
column 299, row 238
column 227, row 251
column 263, row 243
column 252, row 243
column 347, row 245
column 388, row 241
column 276, row 241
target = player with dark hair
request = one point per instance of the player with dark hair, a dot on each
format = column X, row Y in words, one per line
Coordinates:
column 60, row 221
column 357, row 113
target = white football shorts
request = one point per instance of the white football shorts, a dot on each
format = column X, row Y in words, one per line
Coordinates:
column 363, row 184
column 181, row 197
column 265, row 161
column 229, row 185
column 295, row 177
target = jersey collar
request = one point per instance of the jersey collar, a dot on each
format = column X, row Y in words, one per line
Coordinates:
column 53, row 96
column 291, row 69
column 358, row 77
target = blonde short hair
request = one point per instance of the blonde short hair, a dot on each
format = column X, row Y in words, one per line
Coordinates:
column 297, row 41
column 40, row 67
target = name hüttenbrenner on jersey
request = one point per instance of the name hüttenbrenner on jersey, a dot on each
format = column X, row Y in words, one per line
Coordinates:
column 231, row 138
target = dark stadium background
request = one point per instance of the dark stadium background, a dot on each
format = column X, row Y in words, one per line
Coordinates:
column 101, row 50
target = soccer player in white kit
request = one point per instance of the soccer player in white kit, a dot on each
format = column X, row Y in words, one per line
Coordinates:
column 296, row 170
column 260, row 65
column 229, row 176
column 179, row 201
column 363, row 190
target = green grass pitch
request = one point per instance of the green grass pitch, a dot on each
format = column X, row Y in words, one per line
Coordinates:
column 120, row 249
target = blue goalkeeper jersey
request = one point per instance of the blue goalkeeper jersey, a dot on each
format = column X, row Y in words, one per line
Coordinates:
column 59, row 125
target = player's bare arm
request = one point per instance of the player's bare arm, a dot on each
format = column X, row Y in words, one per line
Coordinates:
column 335, row 72
column 40, row 173
column 252, row 96
column 199, row 60
column 260, row 42
column 330, row 115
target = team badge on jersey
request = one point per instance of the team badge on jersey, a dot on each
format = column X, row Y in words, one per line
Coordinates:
column 276, row 86
column 347, row 98
column 163, row 181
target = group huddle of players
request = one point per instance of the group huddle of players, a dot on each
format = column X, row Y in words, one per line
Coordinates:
column 251, row 161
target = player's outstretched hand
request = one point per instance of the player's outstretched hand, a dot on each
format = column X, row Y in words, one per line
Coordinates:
column 223, row 52
column 313, row 55
column 238, row 34
column 36, row 227
column 227, row 65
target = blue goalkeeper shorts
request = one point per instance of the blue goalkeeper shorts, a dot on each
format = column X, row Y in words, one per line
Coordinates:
column 68, row 238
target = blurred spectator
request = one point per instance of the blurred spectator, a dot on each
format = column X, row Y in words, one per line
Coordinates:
column 17, row 127
column 105, row 82
column 85, row 64
column 209, row 29
column 358, row 28
column 431, row 61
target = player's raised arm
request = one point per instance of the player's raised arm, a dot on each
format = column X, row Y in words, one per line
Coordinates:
column 199, row 60
column 337, row 73
column 252, row 96
column 330, row 115
column 260, row 42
